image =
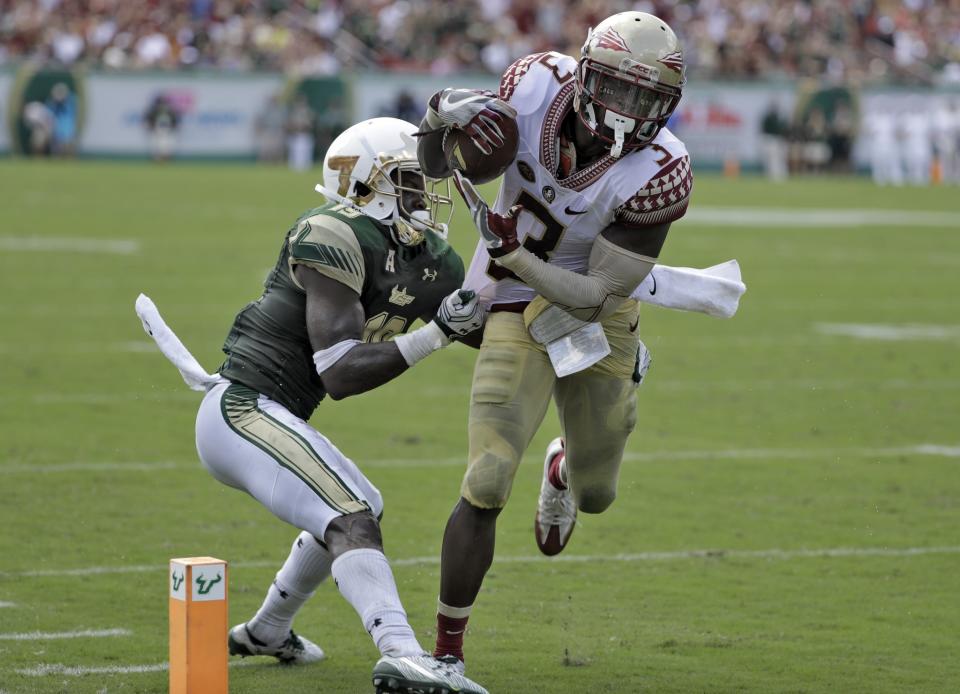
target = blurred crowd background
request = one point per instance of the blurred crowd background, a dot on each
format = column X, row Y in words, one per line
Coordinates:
column 845, row 84
column 862, row 40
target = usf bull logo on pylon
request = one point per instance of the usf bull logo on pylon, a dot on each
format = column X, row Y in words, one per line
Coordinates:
column 198, row 626
column 204, row 585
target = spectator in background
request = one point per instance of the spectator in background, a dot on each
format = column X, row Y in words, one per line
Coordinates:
column 39, row 123
column 774, row 128
column 300, row 135
column 841, row 134
column 269, row 130
column 946, row 134
column 816, row 152
column 62, row 105
column 886, row 164
column 162, row 121
column 407, row 108
column 917, row 146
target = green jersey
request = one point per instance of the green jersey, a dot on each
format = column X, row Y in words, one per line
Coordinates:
column 268, row 348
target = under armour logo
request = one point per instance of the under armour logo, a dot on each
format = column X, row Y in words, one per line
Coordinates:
column 377, row 622
column 429, row 274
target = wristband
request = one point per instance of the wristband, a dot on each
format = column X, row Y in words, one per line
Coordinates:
column 421, row 342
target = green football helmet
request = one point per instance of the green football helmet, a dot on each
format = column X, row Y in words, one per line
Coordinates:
column 629, row 79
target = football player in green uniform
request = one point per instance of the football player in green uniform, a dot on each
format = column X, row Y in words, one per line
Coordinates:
column 351, row 274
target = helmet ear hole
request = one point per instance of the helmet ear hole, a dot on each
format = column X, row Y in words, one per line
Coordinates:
column 361, row 190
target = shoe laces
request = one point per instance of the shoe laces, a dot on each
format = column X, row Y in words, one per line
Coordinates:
column 293, row 642
column 556, row 505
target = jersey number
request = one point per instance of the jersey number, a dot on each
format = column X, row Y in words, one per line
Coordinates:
column 540, row 247
column 382, row 327
column 550, row 60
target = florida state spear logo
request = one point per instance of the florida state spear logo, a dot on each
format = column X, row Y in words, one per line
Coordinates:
column 611, row 40
column 674, row 61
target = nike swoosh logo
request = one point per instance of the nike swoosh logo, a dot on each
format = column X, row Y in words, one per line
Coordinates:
column 654, row 290
column 633, row 328
column 449, row 104
column 569, row 211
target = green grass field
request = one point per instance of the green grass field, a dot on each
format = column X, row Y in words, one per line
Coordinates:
column 788, row 513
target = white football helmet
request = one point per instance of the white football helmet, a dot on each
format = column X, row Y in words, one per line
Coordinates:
column 363, row 169
column 629, row 79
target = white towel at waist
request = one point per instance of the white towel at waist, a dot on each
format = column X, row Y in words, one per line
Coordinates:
column 172, row 348
column 715, row 290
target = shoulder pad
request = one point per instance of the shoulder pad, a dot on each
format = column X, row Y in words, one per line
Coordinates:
column 663, row 199
column 562, row 66
column 328, row 244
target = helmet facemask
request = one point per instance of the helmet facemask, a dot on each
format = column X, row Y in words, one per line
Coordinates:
column 419, row 203
column 633, row 104
column 629, row 80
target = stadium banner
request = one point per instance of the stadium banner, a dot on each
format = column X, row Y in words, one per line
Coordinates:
column 213, row 114
column 404, row 95
column 721, row 121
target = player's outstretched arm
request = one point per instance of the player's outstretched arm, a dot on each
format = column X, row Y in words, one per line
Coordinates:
column 347, row 366
column 621, row 257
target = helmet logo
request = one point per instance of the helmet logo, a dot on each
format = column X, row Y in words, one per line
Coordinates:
column 674, row 61
column 611, row 40
column 345, row 166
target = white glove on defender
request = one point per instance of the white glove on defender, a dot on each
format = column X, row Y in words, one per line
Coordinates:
column 458, row 315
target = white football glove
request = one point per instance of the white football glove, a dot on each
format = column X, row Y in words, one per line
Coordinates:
column 459, row 314
column 478, row 113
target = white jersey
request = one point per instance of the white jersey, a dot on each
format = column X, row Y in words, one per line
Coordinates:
column 564, row 215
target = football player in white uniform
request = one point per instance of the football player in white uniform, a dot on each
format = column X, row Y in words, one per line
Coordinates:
column 579, row 222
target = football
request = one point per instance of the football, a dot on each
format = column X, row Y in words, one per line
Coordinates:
column 464, row 156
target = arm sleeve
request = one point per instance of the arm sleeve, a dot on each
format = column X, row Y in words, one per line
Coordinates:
column 613, row 273
column 329, row 246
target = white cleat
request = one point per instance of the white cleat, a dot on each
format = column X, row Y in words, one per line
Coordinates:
column 294, row 650
column 421, row 674
column 556, row 509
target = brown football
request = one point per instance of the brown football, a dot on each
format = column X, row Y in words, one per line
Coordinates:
column 464, row 156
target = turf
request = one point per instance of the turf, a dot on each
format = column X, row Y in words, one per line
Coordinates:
column 756, row 434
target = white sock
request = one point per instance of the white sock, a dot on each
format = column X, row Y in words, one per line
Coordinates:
column 305, row 569
column 366, row 581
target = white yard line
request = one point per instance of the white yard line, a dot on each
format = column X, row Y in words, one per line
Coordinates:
column 731, row 384
column 708, row 554
column 53, row 244
column 890, row 332
column 47, row 669
column 926, row 449
column 4, row 603
column 787, row 217
column 52, row 635
column 41, row 468
column 678, row 555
